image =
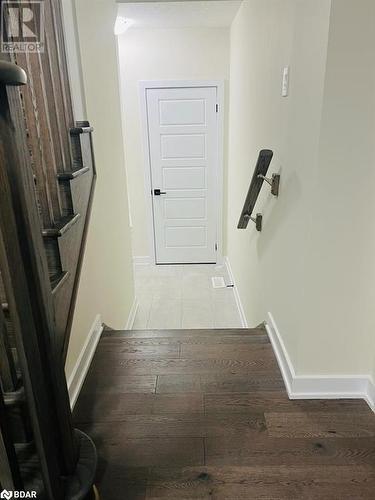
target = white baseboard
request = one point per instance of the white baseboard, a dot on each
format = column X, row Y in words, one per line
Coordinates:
column 318, row 386
column 370, row 394
column 236, row 294
column 132, row 315
column 82, row 366
column 142, row 260
column 285, row 365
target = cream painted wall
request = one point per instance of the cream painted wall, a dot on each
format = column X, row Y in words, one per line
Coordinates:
column 342, row 234
column 312, row 266
column 161, row 54
column 106, row 285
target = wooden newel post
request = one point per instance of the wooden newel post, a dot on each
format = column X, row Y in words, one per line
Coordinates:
column 66, row 457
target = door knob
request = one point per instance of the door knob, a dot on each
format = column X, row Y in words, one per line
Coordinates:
column 157, row 192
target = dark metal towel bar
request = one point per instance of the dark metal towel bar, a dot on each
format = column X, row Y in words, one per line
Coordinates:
column 259, row 175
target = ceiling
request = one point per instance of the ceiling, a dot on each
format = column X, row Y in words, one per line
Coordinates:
column 177, row 14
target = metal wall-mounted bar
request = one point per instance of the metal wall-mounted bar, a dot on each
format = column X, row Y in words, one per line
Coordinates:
column 261, row 168
column 274, row 182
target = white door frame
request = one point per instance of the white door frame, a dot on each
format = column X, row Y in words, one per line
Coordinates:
column 144, row 85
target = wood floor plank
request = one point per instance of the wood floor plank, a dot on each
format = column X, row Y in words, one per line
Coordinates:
column 125, row 351
column 267, row 401
column 319, row 424
column 186, row 366
column 176, row 384
column 110, row 383
column 111, row 407
column 264, row 450
column 276, row 482
column 218, row 383
column 248, row 352
column 151, row 452
column 177, row 403
column 176, row 334
column 230, row 491
column 193, row 338
column 232, row 383
column 233, row 339
column 177, row 425
column 308, row 475
column 115, row 342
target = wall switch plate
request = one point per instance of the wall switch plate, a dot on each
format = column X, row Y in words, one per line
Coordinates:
column 285, row 85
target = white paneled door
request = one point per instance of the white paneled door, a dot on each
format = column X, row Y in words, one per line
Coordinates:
column 183, row 142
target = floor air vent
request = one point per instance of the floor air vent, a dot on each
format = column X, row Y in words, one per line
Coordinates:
column 218, row 282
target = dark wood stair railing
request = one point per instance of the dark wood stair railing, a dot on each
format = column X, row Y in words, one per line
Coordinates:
column 52, row 458
column 61, row 159
column 47, row 179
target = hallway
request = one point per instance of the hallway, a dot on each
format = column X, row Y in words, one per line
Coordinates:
column 182, row 296
column 204, row 414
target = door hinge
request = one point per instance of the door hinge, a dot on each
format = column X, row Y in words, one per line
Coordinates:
column 217, row 108
column 215, row 247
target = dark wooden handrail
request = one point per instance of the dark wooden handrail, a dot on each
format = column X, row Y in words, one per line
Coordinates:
column 11, row 74
column 261, row 168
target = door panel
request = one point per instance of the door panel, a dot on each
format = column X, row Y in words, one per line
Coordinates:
column 183, row 146
column 185, row 236
column 182, row 112
column 183, row 139
column 184, row 178
column 185, row 208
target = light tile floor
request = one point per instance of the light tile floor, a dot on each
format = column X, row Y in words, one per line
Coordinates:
column 182, row 296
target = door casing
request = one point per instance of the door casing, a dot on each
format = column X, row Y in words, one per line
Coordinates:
column 144, row 85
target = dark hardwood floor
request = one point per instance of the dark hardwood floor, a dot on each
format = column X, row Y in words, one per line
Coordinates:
column 189, row 414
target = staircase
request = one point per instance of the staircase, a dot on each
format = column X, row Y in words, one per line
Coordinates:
column 64, row 240
column 64, row 246
column 62, row 163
